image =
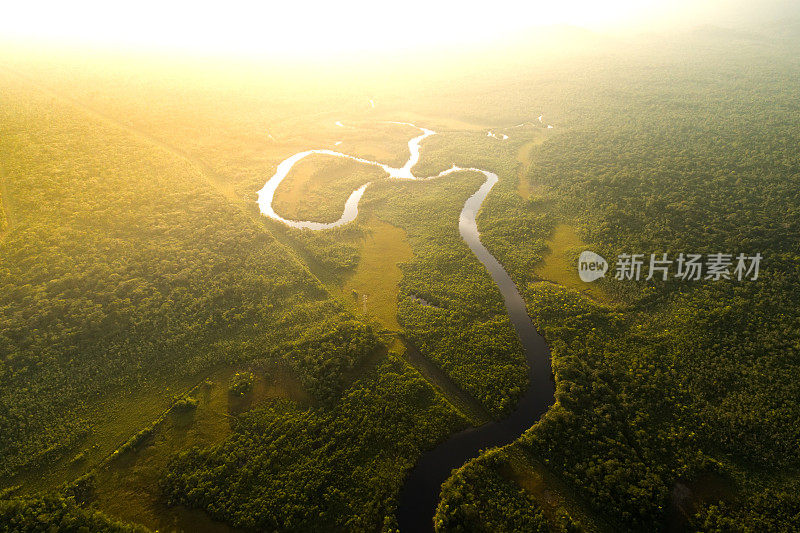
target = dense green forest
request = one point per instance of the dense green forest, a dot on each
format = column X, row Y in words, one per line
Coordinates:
column 289, row 469
column 134, row 266
column 464, row 329
column 124, row 269
column 673, row 387
column 56, row 514
column 479, row 498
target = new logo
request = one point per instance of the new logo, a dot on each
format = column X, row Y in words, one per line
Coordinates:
column 591, row 266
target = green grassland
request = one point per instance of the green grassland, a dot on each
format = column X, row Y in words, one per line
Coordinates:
column 524, row 159
column 128, row 488
column 374, row 286
column 318, row 186
column 559, row 265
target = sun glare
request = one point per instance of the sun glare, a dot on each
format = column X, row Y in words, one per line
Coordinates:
column 310, row 28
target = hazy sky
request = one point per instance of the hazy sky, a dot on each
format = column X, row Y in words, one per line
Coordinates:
column 342, row 26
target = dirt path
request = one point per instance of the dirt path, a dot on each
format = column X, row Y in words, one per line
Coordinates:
column 551, row 492
column 464, row 402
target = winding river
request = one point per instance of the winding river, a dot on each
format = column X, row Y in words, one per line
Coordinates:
column 420, row 493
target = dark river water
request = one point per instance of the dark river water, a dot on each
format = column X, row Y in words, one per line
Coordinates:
column 420, row 493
